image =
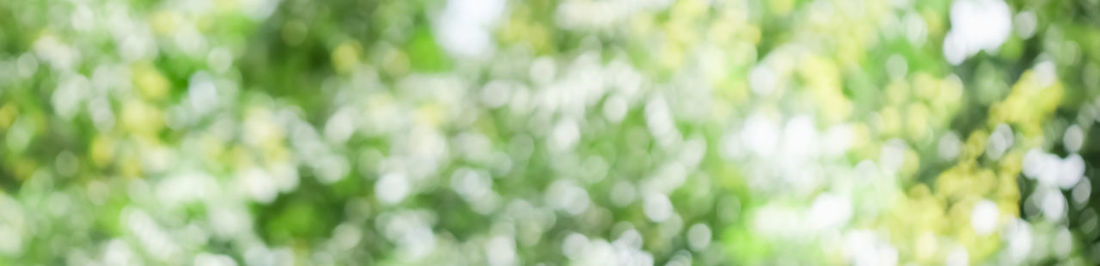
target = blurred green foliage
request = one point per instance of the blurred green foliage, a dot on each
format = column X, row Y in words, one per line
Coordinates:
column 541, row 132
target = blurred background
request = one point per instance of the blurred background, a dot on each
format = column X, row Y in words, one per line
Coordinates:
column 549, row 132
